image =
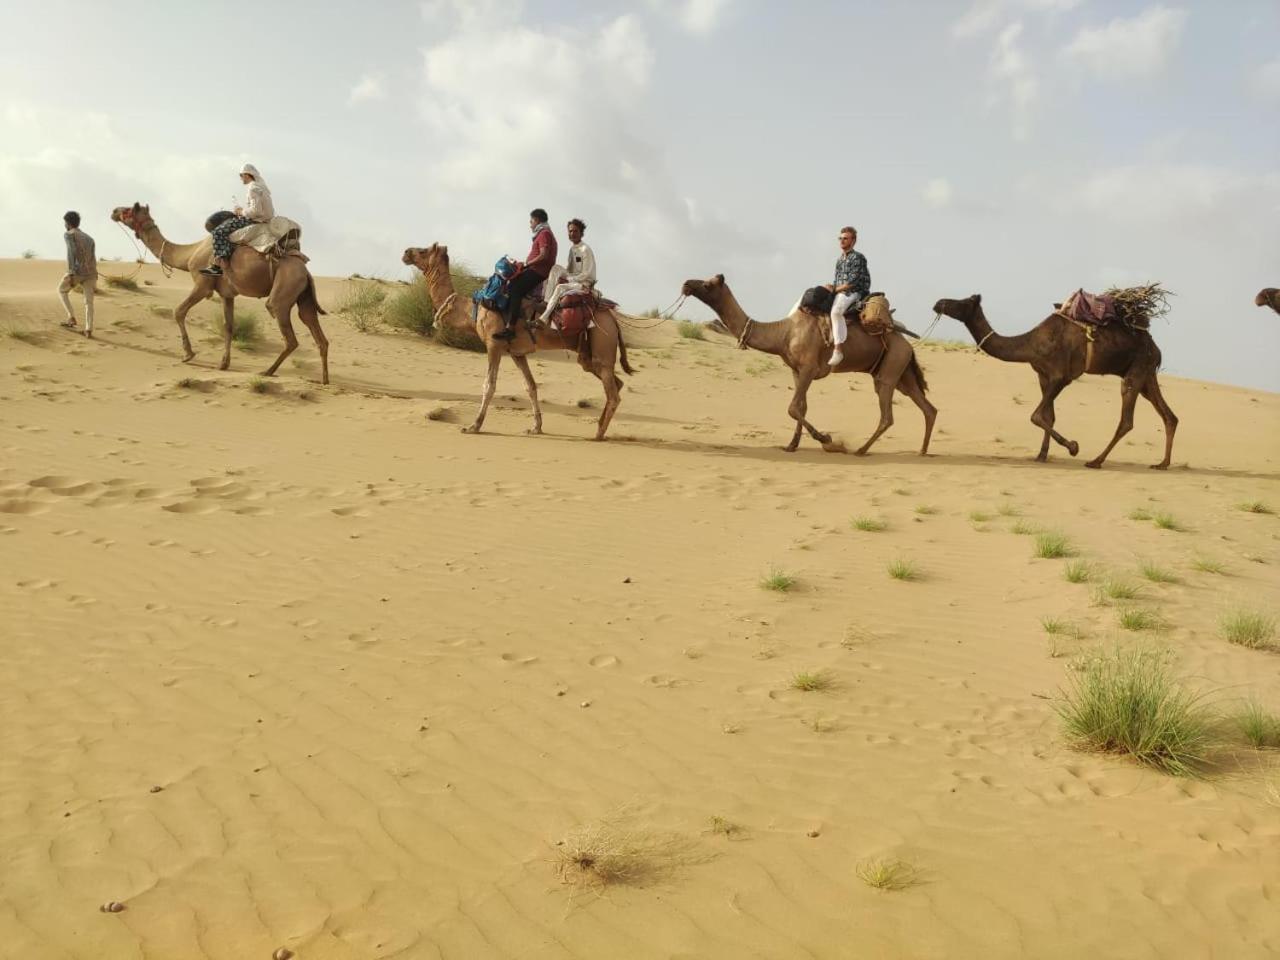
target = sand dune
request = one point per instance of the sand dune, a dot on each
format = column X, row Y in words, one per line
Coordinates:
column 307, row 669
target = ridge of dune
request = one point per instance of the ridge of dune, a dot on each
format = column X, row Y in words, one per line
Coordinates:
column 307, row 669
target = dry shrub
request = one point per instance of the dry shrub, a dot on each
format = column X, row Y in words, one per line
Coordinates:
column 615, row 852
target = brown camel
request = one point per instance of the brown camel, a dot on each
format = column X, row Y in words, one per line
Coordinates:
column 1268, row 297
column 1060, row 350
column 606, row 346
column 284, row 283
column 798, row 341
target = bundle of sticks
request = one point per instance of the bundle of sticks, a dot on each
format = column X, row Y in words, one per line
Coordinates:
column 1138, row 306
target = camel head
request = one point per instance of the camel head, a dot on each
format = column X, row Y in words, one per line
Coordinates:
column 704, row 290
column 137, row 217
column 426, row 257
column 1268, row 297
column 961, row 310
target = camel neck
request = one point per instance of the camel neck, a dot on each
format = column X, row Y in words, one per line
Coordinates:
column 439, row 284
column 765, row 337
column 1015, row 349
column 440, row 289
column 176, row 255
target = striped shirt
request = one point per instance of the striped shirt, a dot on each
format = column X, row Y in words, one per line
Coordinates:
column 82, row 260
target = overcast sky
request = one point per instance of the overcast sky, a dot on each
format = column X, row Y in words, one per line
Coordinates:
column 1017, row 148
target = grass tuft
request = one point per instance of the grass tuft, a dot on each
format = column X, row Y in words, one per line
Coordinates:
column 1116, row 589
column 122, row 283
column 778, row 580
column 903, row 570
column 926, row 511
column 724, row 827
column 1053, row 546
column 1255, row 506
column 980, row 516
column 1078, row 571
column 869, row 524
column 887, row 874
column 261, row 385
column 688, row 330
column 1126, row 702
column 1140, row 513
column 1248, row 628
column 1260, row 727
column 608, row 853
column 1136, row 618
column 809, row 681
column 1167, row 521
column 1022, row 528
column 1156, row 573
column 362, row 302
column 1008, row 510
column 1209, row 565
column 410, row 309
column 1057, row 627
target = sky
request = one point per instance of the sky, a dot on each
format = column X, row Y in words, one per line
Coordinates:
column 1017, row 148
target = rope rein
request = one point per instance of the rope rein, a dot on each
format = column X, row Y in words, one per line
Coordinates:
column 984, row 340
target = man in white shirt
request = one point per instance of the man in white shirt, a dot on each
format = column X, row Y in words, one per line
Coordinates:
column 579, row 276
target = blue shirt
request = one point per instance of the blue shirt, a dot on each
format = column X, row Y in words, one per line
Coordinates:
column 851, row 270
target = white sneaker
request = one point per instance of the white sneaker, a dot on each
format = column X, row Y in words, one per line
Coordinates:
column 837, row 358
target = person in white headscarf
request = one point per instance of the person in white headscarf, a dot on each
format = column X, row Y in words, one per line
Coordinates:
column 257, row 209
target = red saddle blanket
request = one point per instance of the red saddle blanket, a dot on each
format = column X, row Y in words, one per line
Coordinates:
column 576, row 310
column 1095, row 308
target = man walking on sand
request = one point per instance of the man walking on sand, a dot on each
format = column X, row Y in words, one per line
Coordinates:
column 82, row 268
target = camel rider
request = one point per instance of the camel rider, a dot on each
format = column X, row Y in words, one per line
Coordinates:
column 533, row 272
column 851, row 287
column 578, row 276
column 257, row 209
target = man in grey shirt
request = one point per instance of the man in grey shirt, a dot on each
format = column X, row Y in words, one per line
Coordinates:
column 82, row 268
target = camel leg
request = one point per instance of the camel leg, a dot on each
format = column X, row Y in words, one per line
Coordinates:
column 1130, row 388
column 532, row 385
column 884, row 392
column 612, row 397
column 284, row 320
column 1151, row 390
column 910, row 386
column 1043, row 417
column 490, row 385
column 308, row 315
column 228, row 328
column 799, row 407
column 198, row 293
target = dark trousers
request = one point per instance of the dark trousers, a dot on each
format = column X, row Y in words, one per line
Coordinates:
column 525, row 282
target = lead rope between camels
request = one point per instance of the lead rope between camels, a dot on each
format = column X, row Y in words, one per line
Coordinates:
column 637, row 323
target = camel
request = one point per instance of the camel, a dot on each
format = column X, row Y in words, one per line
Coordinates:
column 1060, row 350
column 1268, row 297
column 604, row 349
column 284, row 283
column 798, row 341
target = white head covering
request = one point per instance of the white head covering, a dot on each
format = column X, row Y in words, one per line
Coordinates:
column 250, row 169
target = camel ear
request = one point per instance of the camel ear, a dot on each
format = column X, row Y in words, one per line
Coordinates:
column 137, row 207
column 977, row 298
column 444, row 249
column 719, row 278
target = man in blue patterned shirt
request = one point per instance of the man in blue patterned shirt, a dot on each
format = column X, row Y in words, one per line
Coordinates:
column 852, row 284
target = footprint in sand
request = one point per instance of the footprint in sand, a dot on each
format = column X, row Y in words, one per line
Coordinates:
column 363, row 640
column 25, row 507
column 518, row 659
column 664, row 680
column 37, row 584
column 163, row 543
column 251, row 511
column 190, row 506
column 349, row 512
column 604, row 660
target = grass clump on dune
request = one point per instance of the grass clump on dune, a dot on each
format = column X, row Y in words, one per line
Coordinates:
column 904, row 570
column 1023, row 528
column 1126, row 702
column 1167, row 521
column 1136, row 618
column 1078, row 571
column 1057, row 627
column 1156, row 573
column 1248, row 628
column 688, row 330
column 1209, row 565
column 1053, row 546
column 925, row 510
column 1255, row 506
column 262, row 385
column 1140, row 513
column 122, row 283
column 809, row 681
column 362, row 302
column 778, row 580
column 410, row 309
column 610, row 853
column 1260, row 727
column 1113, row 589
column 887, row 874
column 869, row 524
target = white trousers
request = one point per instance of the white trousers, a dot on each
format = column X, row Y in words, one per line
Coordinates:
column 86, row 287
column 842, row 303
column 555, row 291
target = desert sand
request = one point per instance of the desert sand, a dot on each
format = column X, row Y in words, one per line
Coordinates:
column 306, row 669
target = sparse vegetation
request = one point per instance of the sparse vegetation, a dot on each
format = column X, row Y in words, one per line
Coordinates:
column 121, row 283
column 1137, row 619
column 689, row 330
column 1248, row 628
column 440, row 414
column 903, row 570
column 869, row 524
column 1053, row 546
column 1113, row 589
column 608, row 853
column 261, row 385
column 1140, row 513
column 1078, row 571
column 410, row 309
column 1260, row 727
column 1209, row 565
column 1023, row 529
column 810, row 681
column 925, row 510
column 29, row 254
column 725, row 828
column 1126, row 702
column 1008, row 510
column 362, row 302
column 1156, row 573
column 887, row 874
column 1167, row 521
column 980, row 516
column 1057, row 627
column 1255, row 506
column 778, row 580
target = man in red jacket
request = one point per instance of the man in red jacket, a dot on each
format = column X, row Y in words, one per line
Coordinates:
column 542, row 257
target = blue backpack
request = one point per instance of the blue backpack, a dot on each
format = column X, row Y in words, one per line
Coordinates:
column 493, row 295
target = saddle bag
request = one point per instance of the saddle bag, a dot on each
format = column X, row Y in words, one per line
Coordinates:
column 876, row 317
column 574, row 311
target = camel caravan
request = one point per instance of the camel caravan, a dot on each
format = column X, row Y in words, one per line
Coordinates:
column 538, row 304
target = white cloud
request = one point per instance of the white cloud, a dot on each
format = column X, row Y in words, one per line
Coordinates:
column 1011, row 70
column 937, row 192
column 372, row 86
column 1165, row 193
column 1135, row 47
column 983, row 16
column 695, row 16
column 1266, row 80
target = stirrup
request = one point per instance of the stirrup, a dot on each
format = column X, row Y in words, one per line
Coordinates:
column 213, row 270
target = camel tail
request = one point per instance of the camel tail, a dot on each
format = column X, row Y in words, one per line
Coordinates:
column 310, row 295
column 919, row 372
column 622, row 349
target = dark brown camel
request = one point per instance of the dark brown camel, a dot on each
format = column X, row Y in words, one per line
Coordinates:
column 1268, row 297
column 798, row 342
column 1060, row 350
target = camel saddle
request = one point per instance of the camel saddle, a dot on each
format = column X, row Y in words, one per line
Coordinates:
column 278, row 236
column 1095, row 309
column 874, row 314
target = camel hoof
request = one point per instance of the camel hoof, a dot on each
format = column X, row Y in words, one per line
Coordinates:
column 1159, row 466
column 533, row 432
column 225, row 365
column 599, row 438
column 790, row 448
column 265, row 373
column 1072, row 447
column 474, row 428
column 1094, row 464
column 1043, row 458
column 189, row 357
column 823, row 438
